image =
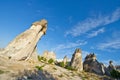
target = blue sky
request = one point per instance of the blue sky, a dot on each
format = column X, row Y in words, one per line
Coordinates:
column 93, row 26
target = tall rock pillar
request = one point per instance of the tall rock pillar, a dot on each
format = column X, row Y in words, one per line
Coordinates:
column 23, row 47
column 76, row 61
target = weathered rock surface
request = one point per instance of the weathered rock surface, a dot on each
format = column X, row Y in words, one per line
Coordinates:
column 110, row 68
column 76, row 61
column 65, row 60
column 23, row 47
column 92, row 65
column 49, row 55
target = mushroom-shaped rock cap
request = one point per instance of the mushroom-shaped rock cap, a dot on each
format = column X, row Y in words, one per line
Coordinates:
column 42, row 22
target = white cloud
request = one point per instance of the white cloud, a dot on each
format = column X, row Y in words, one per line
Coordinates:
column 69, row 45
column 92, row 23
column 95, row 33
column 112, row 44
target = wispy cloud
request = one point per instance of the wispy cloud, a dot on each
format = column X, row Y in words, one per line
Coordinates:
column 69, row 45
column 113, row 44
column 92, row 23
column 95, row 33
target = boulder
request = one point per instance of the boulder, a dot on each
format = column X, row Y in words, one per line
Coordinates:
column 76, row 61
column 23, row 47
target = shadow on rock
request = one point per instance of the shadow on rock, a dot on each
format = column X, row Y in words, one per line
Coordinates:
column 37, row 75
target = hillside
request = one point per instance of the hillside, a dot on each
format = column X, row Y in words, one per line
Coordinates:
column 22, row 70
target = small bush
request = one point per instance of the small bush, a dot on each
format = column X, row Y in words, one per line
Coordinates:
column 41, row 58
column 62, row 64
column 115, row 74
column 1, row 72
column 55, row 68
column 40, row 67
column 70, row 68
column 50, row 61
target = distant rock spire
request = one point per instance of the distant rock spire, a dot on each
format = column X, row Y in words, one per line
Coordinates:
column 111, row 66
column 65, row 60
column 49, row 55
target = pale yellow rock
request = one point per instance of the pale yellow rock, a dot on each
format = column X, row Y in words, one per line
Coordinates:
column 65, row 60
column 23, row 47
column 49, row 55
column 76, row 61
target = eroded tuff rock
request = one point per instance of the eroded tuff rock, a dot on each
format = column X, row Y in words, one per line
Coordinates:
column 49, row 55
column 65, row 60
column 92, row 65
column 76, row 61
column 23, row 47
column 110, row 68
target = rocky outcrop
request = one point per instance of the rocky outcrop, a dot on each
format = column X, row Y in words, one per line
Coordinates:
column 23, row 47
column 76, row 61
column 110, row 68
column 49, row 55
column 92, row 65
column 65, row 60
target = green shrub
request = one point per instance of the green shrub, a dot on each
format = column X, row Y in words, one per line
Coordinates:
column 40, row 67
column 54, row 68
column 62, row 64
column 50, row 61
column 69, row 68
column 1, row 72
column 41, row 58
column 115, row 74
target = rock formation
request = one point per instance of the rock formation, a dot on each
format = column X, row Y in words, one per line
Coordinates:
column 110, row 68
column 23, row 47
column 76, row 61
column 49, row 55
column 92, row 65
column 65, row 60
